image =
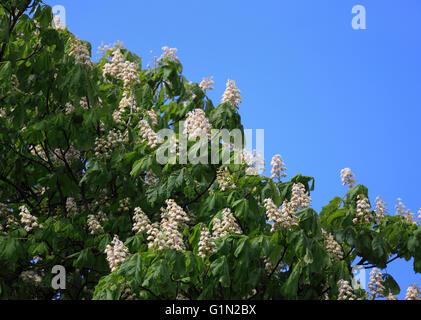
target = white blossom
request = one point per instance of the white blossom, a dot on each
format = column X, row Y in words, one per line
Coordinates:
column 116, row 253
column 333, row 247
column 407, row 214
column 413, row 292
column 147, row 134
column 232, row 94
column 345, row 291
column 376, row 284
column 206, row 84
column 27, row 219
column 278, row 167
column 80, row 52
column 225, row 179
column 141, row 221
column 206, row 244
column 380, row 209
column 348, row 177
column 71, row 206
column 168, row 54
column 283, row 218
column 226, row 226
column 197, row 125
column 363, row 212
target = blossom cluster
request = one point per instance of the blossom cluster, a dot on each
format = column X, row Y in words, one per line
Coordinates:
column 148, row 135
column 197, row 125
column 226, row 226
column 80, row 52
column 345, row 291
column 95, row 222
column 413, row 292
column 116, row 253
column 105, row 146
column 363, row 212
column 278, row 167
column 225, row 180
column 380, row 209
column 407, row 214
column 120, row 69
column 254, row 161
column 71, row 206
column 30, row 275
column 27, row 219
column 206, row 84
column 150, row 178
column 166, row 235
column 333, row 247
column 376, row 284
column 141, row 221
column 281, row 218
column 206, row 244
column 232, row 94
column 168, row 54
column 347, row 177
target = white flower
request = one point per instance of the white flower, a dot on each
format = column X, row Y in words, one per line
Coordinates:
column 413, row 292
column 347, row 177
column 402, row 211
column 232, row 94
column 227, row 226
column 376, row 284
column 142, row 222
column 166, row 235
column 27, row 219
column 281, row 218
column 333, row 247
column 147, row 134
column 80, row 52
column 225, row 180
column 206, row 84
column 197, row 125
column 71, row 206
column 169, row 54
column 58, row 25
column 116, row 253
column 120, row 69
column 278, row 167
column 206, row 244
column 363, row 214
column 104, row 147
column 345, row 291
column 380, row 209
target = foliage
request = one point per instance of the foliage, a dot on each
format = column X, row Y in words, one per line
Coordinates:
column 39, row 80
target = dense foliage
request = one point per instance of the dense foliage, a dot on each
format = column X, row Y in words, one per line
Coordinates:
column 81, row 187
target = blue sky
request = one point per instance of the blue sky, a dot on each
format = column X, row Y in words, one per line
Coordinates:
column 327, row 96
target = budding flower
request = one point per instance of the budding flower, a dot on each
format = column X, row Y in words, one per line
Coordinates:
column 232, row 94
column 348, row 177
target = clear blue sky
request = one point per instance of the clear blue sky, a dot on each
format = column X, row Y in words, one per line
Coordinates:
column 327, row 96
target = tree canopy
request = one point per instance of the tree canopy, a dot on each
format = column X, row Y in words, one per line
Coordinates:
column 81, row 186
